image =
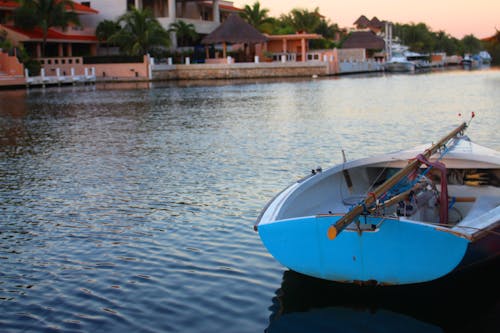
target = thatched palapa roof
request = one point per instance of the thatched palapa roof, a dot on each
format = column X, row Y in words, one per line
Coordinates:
column 362, row 22
column 234, row 30
column 363, row 40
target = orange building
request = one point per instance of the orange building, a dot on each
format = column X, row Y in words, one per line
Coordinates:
column 293, row 47
column 73, row 41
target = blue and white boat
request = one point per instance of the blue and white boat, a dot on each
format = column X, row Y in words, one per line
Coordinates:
column 405, row 217
column 485, row 57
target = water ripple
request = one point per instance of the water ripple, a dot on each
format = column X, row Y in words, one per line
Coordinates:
column 131, row 210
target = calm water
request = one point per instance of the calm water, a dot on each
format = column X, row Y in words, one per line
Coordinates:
column 130, row 208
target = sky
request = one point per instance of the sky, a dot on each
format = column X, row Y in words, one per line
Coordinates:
column 457, row 18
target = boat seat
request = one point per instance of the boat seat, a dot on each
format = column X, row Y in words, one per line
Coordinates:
column 482, row 205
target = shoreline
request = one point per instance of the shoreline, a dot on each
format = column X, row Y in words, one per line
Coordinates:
column 166, row 72
column 227, row 73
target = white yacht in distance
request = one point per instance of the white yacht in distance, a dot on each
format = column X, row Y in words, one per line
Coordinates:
column 398, row 61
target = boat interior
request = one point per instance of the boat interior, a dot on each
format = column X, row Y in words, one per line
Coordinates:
column 470, row 193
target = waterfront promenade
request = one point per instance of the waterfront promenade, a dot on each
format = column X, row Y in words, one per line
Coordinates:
column 166, row 72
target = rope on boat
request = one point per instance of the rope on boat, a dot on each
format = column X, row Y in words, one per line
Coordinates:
column 406, row 183
column 390, row 183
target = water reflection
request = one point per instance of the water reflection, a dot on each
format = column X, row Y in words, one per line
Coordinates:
column 126, row 208
column 467, row 302
column 12, row 111
column 343, row 319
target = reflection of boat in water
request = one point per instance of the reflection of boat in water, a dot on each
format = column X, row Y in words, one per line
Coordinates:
column 463, row 303
column 344, row 319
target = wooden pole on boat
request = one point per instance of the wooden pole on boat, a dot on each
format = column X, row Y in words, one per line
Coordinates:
column 345, row 220
column 346, row 174
column 401, row 196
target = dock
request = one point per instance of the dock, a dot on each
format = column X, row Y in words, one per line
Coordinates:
column 59, row 79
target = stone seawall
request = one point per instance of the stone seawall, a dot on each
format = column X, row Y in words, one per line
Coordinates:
column 239, row 70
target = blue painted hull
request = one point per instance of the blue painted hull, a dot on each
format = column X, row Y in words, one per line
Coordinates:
column 394, row 253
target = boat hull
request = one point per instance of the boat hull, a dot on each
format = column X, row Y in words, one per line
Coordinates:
column 394, row 253
column 400, row 67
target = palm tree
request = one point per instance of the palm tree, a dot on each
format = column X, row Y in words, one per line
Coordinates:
column 45, row 14
column 327, row 30
column 185, row 32
column 304, row 20
column 140, row 32
column 105, row 29
column 255, row 16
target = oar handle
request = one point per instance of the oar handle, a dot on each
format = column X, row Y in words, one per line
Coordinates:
column 345, row 220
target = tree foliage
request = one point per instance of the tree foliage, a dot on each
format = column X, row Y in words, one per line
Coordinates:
column 5, row 44
column 298, row 20
column 493, row 47
column 256, row 16
column 446, row 43
column 45, row 14
column 471, row 44
column 185, row 32
column 420, row 38
column 104, row 30
column 140, row 32
column 303, row 19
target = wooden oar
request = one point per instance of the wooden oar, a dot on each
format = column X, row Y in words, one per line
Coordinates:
column 343, row 222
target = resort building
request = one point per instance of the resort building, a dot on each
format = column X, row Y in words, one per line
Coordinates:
column 228, row 41
column 205, row 15
column 292, row 47
column 368, row 41
column 73, row 41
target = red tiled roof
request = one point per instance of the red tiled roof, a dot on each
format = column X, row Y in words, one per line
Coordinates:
column 491, row 39
column 37, row 34
column 230, row 8
column 77, row 7
column 222, row 6
column 8, row 4
column 82, row 9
